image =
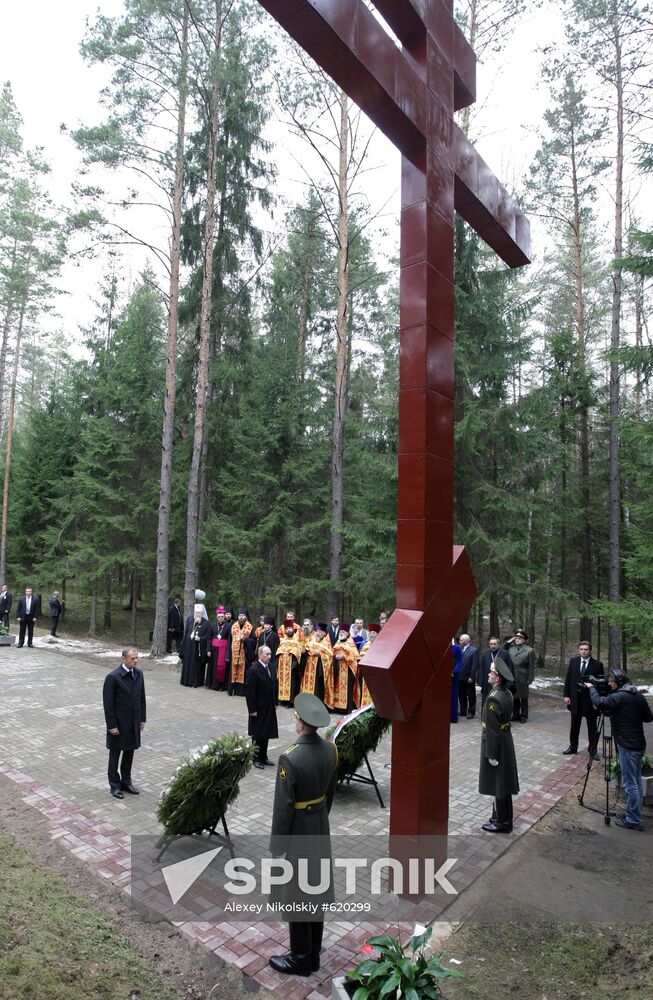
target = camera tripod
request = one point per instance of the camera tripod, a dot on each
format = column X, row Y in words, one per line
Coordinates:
column 606, row 750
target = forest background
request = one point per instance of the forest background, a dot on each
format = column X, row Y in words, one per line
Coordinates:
column 228, row 419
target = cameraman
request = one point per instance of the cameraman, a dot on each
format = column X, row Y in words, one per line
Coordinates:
column 628, row 710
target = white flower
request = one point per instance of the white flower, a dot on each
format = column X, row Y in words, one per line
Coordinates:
column 205, row 748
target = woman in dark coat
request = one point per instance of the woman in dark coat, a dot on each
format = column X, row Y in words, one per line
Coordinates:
column 260, row 684
column 498, row 771
column 195, row 649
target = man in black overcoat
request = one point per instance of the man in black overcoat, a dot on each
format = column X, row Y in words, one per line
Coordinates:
column 28, row 611
column 124, row 710
column 175, row 625
column 493, row 651
column 259, row 694
column 577, row 698
column 55, row 611
column 6, row 598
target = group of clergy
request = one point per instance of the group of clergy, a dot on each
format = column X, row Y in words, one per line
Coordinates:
column 314, row 657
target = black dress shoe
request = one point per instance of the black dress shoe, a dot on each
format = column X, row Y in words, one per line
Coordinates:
column 132, row 789
column 522, row 719
column 268, row 762
column 259, row 764
column 570, row 750
column 470, row 715
column 494, row 827
column 291, row 964
column 594, row 755
column 117, row 793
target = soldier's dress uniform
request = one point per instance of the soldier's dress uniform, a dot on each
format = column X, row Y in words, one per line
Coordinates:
column 522, row 660
column 500, row 780
column 307, row 774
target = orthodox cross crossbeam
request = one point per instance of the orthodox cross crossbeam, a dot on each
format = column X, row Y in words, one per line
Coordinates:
column 410, row 91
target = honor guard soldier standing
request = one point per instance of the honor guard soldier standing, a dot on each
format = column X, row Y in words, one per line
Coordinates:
column 306, row 780
column 522, row 659
column 498, row 772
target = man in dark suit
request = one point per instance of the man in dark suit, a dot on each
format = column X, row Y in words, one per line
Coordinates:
column 467, row 677
column 333, row 630
column 490, row 655
column 124, row 710
column 55, row 611
column 27, row 613
column 577, row 697
column 259, row 694
column 175, row 625
column 6, row 597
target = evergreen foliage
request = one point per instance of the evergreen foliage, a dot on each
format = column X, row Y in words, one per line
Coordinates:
column 205, row 784
column 360, row 736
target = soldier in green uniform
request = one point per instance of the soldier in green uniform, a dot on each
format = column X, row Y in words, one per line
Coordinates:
column 306, row 780
column 498, row 772
column 522, row 658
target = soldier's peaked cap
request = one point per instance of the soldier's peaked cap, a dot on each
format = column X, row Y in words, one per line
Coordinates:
column 503, row 669
column 311, row 710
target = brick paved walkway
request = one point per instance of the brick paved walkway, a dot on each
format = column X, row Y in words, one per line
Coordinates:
column 52, row 744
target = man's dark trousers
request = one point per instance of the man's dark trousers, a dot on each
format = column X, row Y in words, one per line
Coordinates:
column 29, row 625
column 120, row 773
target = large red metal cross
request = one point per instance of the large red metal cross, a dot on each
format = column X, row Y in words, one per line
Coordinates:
column 410, row 93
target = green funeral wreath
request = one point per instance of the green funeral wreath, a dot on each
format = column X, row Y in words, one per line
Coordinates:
column 204, row 784
column 360, row 736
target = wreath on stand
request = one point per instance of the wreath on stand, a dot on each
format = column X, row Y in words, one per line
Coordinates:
column 205, row 784
column 360, row 736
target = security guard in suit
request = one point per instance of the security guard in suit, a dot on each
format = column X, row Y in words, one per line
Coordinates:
column 307, row 774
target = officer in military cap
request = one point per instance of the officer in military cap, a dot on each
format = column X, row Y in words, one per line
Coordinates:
column 306, row 780
column 498, row 772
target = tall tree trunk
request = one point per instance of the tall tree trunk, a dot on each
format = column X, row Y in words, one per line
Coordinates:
column 6, row 328
column 92, row 623
column 192, row 517
column 107, row 604
column 342, row 369
column 563, row 533
column 303, row 311
column 10, row 416
column 586, row 534
column 134, row 603
column 159, row 638
column 614, row 563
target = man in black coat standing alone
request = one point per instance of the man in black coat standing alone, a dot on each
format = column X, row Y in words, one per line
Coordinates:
column 259, row 693
column 55, row 611
column 577, row 698
column 175, row 625
column 124, row 711
column 27, row 613
column 6, row 597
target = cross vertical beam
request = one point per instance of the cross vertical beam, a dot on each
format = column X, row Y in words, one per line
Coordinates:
column 410, row 93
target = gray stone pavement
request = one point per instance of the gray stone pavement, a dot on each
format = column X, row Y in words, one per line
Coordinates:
column 52, row 728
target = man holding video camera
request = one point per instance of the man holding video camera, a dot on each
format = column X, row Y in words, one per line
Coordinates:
column 628, row 710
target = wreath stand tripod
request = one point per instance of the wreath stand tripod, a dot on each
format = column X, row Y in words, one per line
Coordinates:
column 607, row 752
column 366, row 779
